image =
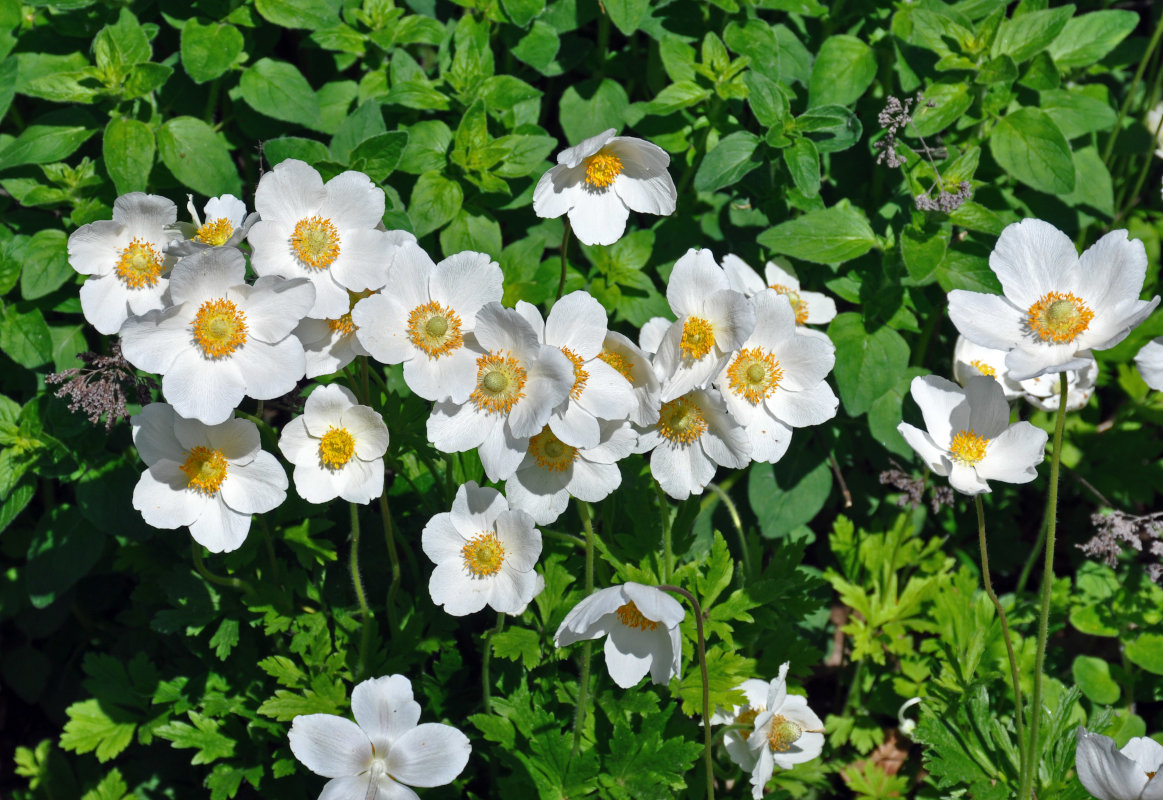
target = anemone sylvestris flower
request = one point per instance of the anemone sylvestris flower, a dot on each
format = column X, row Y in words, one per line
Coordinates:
column 811, row 308
column 1149, row 360
column 786, row 733
column 968, row 436
column 209, row 478
column 1057, row 306
column 226, row 225
column 384, row 751
column 600, row 181
column 971, row 359
column 1133, row 773
column 640, row 624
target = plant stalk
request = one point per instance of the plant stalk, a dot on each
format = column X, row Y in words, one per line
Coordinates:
column 583, row 685
column 361, row 596
column 707, row 738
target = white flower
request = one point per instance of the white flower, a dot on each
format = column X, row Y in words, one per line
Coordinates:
column 325, row 233
column 337, row 447
column 776, row 381
column 222, row 340
column 485, row 554
column 713, row 321
column 1149, row 360
column 640, row 624
column 518, row 383
column 1057, row 306
column 425, row 318
column 1155, row 126
column 577, row 327
column 125, row 258
column 652, row 334
column 384, row 751
column 786, row 733
column 553, row 471
column 971, row 360
column 601, row 180
column 1042, row 391
column 210, row 478
column 1133, row 773
column 226, row 225
column 331, row 344
column 969, row 437
column 811, row 308
column 755, row 696
column 694, row 436
column 632, row 364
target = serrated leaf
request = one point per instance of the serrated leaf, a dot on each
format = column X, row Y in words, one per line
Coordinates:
column 202, row 736
column 90, row 730
column 518, row 644
column 286, row 705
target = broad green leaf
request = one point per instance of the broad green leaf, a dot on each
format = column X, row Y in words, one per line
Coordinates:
column 759, row 42
column 626, row 14
column 950, row 101
column 922, row 253
column 790, row 493
column 128, row 150
column 803, row 162
column 362, row 124
column 472, row 60
column 334, row 100
column 844, row 69
column 538, row 48
column 831, row 128
column 587, row 109
column 829, row 236
column 278, row 90
column 379, row 155
column 885, row 414
column 682, row 94
column 1146, row 651
column 45, row 264
column 25, row 338
column 90, row 730
column 52, row 137
column 145, row 78
column 16, row 501
column 1031, row 148
column 502, row 92
column 733, row 157
column 768, row 101
column 966, row 266
column 435, row 201
column 427, row 148
column 1093, row 676
column 308, row 150
column 308, row 14
column 1088, row 37
column 8, row 74
column 522, row 12
column 10, row 265
column 413, row 94
column 475, row 232
column 119, row 46
column 1076, row 113
column 63, row 550
column 1093, row 185
column 522, row 154
column 868, row 364
column 198, row 157
column 1025, row 36
column 209, row 50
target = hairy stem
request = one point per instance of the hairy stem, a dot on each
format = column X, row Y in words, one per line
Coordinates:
column 390, row 539
column 667, row 549
column 218, row 580
column 486, row 658
column 564, row 260
column 361, row 596
column 583, row 684
column 707, row 739
column 729, row 504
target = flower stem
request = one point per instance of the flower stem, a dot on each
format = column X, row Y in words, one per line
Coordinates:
column 486, row 658
column 1027, row 786
column 390, row 539
column 729, row 504
column 706, row 685
column 564, row 260
column 583, row 684
column 365, row 614
column 230, row 583
column 667, row 549
column 1005, row 629
column 1110, row 142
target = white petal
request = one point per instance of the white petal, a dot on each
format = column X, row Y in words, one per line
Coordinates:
column 153, row 434
column 162, row 498
column 458, row 592
column 592, row 482
column 330, row 746
column 557, row 190
column 362, row 264
column 466, row 281
column 257, row 487
column 454, row 429
column 219, row 528
column 629, row 655
column 741, row 277
column 1030, row 258
column 577, row 321
column 1105, row 772
column 367, row 427
column 1014, row 455
column 943, row 406
column 644, row 184
column 501, row 452
column 384, row 709
column 598, row 216
column 589, row 618
column 429, row 755
column 989, row 413
column 104, row 303
column 655, row 604
column 934, row 457
column 966, row 480
column 205, row 390
column 522, row 542
column 1149, row 360
column 290, row 191
column 695, row 278
column 450, row 377
column 990, row 320
column 573, row 156
column 810, row 407
column 1112, row 271
column 353, row 200
column 441, row 540
column 475, row 508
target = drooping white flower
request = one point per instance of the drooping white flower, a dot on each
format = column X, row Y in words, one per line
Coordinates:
column 633, row 364
column 553, row 471
column 577, row 327
column 786, row 733
column 713, row 320
column 1133, row 773
column 971, row 360
column 222, row 340
column 1056, row 306
column 125, row 259
column 968, row 436
column 1149, row 360
column 331, row 344
column 755, row 703
column 426, row 317
column 600, row 181
column 640, row 624
column 518, row 383
column 811, row 308
column 337, row 447
column 775, row 382
column 485, row 554
column 210, row 478
column 326, row 233
column 384, row 751
column 226, row 225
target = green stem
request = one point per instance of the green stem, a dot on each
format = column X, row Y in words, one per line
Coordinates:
column 562, row 536
column 1110, row 143
column 583, row 685
column 390, row 538
column 230, row 583
column 1027, row 787
column 706, row 686
column 729, row 504
column 564, row 260
column 364, row 381
column 365, row 614
column 486, row 658
column 1130, row 199
column 1005, row 629
column 1028, row 567
column 667, row 550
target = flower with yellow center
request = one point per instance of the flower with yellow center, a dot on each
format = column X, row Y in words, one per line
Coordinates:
column 315, row 241
column 968, row 434
column 331, row 344
column 485, row 554
column 215, row 232
column 337, row 447
column 641, row 626
column 424, row 318
column 971, row 359
column 754, row 374
column 1057, row 306
column 631, row 362
column 226, row 225
column 984, row 369
column 811, row 308
column 221, row 340
column 600, row 181
column 209, row 478
column 787, row 732
column 1133, row 772
column 735, row 740
column 681, row 421
column 126, row 258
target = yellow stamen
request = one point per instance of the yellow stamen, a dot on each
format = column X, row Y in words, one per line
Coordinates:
column 315, row 241
column 983, row 368
column 618, row 362
column 344, row 325
column 434, row 329
column 602, row 168
column 967, row 447
column 205, row 470
column 500, row 382
column 747, row 717
column 1058, row 317
column 216, row 232
column 783, row 734
column 550, row 452
column 681, row 420
column 698, row 337
column 631, row 617
column 336, row 448
column 139, row 265
column 483, row 555
column 798, row 304
column 219, row 328
column 580, row 376
column 754, row 374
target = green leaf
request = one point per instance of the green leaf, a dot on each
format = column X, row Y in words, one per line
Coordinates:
column 63, row 550
column 1147, row 652
column 886, row 414
column 427, row 148
column 145, row 78
column 922, row 252
column 111, row 787
column 278, row 90
column 202, row 736
column 733, row 157
column 626, row 14
column 46, row 264
column 831, row 128
column 1093, row 676
column 285, row 705
column 867, row 364
column 1025, row 36
column 1031, row 148
column 829, row 236
column 679, row 95
column 198, row 157
column 435, row 201
column 308, row 14
column 803, row 162
column 379, row 155
column 759, row 42
column 90, row 729
column 225, row 638
column 1076, row 113
column 587, row 109
column 538, row 48
column 25, row 338
column 768, row 101
column 476, row 232
column 413, row 94
column 283, row 670
column 790, row 493
column 308, row 150
column 844, row 69
column 119, row 46
column 518, row 644
column 472, row 60
column 522, row 12
column 1093, row 185
column 52, row 137
column 362, row 124
column 1088, row 37
column 128, row 150
column 209, row 50
column 950, row 102
column 17, row 500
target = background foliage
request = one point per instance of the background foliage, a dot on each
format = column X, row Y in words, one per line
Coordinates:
column 127, row 667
